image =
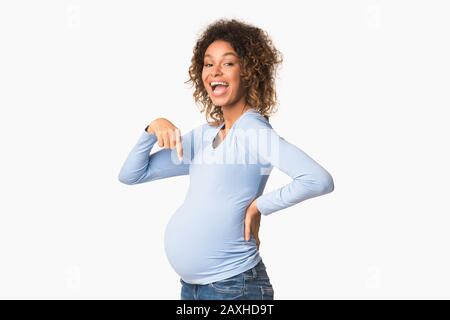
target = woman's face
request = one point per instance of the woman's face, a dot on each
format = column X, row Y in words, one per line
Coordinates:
column 221, row 64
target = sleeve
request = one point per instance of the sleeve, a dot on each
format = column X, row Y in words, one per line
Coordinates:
column 309, row 179
column 140, row 166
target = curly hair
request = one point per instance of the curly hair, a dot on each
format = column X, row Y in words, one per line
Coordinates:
column 259, row 60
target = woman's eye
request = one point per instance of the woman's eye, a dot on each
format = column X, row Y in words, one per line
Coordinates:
column 230, row 63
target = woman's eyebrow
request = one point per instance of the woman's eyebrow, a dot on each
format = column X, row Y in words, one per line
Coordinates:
column 225, row 54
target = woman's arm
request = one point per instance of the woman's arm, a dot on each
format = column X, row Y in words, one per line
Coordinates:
column 140, row 166
column 309, row 179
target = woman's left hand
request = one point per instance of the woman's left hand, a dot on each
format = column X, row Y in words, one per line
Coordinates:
column 252, row 222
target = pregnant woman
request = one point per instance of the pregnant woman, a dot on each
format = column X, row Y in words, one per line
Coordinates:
column 212, row 240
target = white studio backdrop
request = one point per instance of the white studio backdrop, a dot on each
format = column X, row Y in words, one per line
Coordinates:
column 364, row 90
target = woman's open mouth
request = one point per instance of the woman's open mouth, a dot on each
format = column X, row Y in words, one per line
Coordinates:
column 219, row 88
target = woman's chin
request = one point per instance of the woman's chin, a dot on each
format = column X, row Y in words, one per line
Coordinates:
column 219, row 101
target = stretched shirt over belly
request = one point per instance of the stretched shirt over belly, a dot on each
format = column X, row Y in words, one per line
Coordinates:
column 204, row 238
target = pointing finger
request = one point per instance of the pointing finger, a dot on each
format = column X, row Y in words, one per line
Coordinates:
column 179, row 145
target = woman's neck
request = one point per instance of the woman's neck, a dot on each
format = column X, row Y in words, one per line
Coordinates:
column 231, row 114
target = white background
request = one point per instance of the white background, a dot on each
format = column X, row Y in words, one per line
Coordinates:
column 364, row 90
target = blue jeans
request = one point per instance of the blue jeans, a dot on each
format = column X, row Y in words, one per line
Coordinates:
column 253, row 284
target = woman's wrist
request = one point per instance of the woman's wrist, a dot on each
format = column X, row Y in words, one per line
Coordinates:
column 148, row 129
column 254, row 207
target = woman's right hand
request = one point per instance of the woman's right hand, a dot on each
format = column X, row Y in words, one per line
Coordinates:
column 168, row 135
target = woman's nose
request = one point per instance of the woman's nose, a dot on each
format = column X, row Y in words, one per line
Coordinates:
column 216, row 71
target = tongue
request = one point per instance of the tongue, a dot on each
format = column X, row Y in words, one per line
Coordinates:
column 220, row 89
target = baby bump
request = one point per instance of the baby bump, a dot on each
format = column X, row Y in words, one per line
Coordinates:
column 200, row 240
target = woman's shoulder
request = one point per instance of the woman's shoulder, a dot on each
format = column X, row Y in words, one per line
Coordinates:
column 255, row 119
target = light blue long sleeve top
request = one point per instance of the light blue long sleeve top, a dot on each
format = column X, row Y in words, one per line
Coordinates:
column 204, row 238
